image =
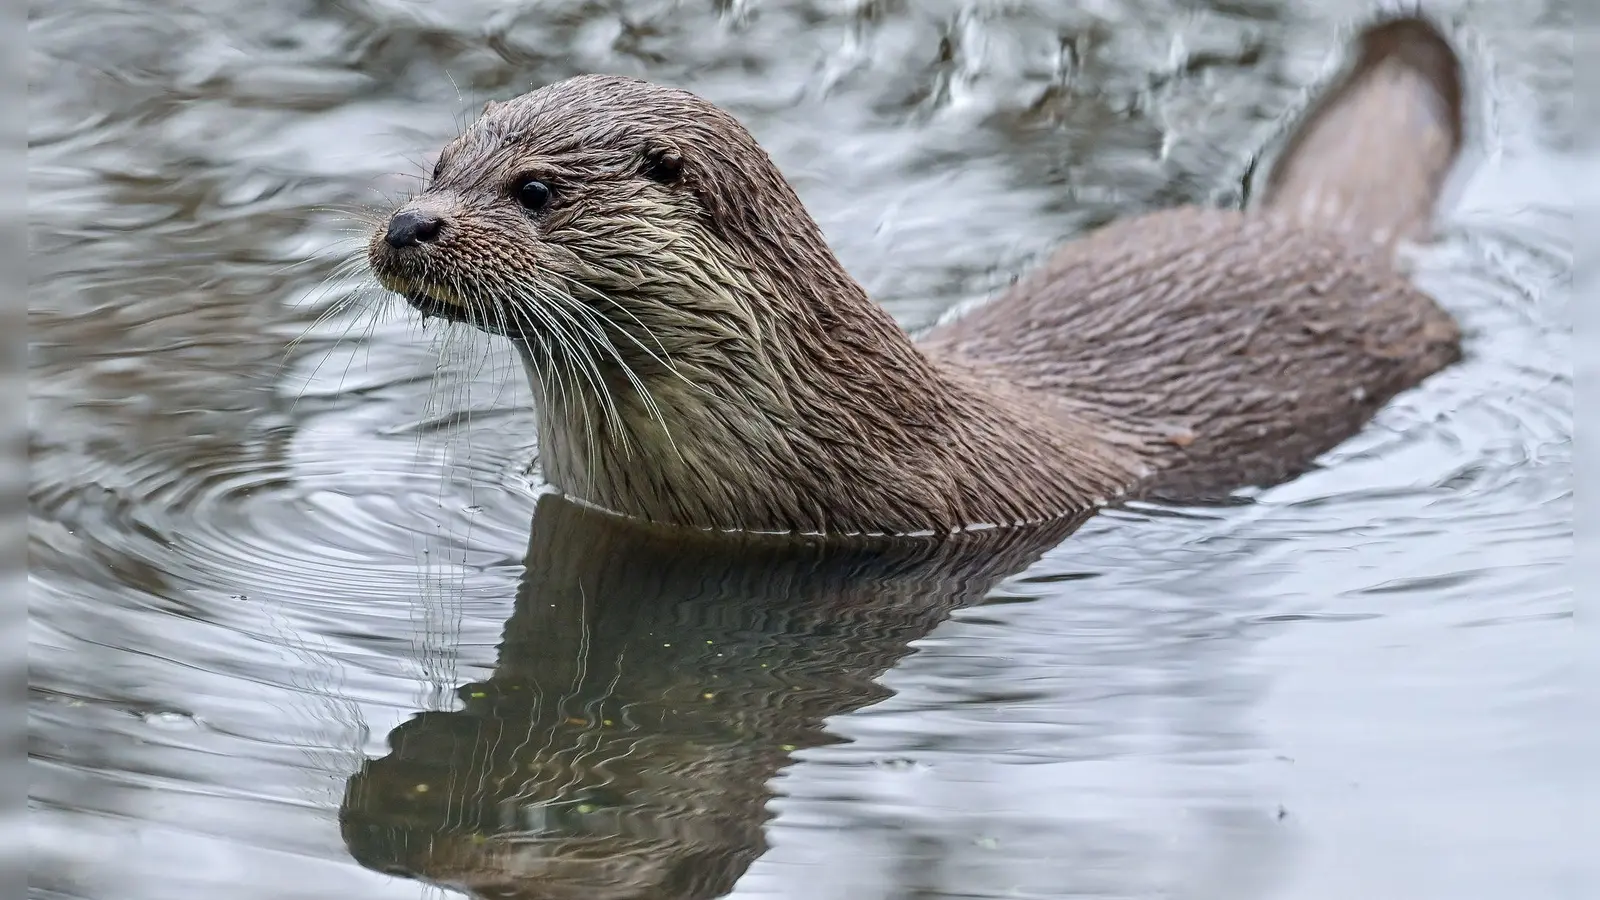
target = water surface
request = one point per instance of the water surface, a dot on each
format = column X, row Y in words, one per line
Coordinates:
column 284, row 643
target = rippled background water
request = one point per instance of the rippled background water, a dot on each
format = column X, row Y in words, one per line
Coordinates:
column 249, row 564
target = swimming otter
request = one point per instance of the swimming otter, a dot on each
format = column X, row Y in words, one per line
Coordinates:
column 700, row 357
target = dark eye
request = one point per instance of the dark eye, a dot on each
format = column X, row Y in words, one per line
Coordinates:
column 533, row 195
column 663, row 165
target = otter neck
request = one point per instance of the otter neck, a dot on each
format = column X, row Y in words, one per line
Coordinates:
column 816, row 413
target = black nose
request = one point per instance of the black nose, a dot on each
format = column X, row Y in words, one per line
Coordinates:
column 408, row 229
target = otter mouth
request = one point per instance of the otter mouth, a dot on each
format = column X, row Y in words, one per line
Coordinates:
column 421, row 299
column 484, row 319
column 434, row 308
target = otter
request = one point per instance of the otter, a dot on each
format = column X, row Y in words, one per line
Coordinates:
column 699, row 356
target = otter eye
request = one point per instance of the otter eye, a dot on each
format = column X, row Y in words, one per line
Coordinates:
column 533, row 194
column 663, row 165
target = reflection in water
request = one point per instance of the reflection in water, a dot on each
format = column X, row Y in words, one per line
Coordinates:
column 649, row 684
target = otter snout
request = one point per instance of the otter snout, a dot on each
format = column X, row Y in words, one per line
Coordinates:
column 409, row 227
column 421, row 221
column 409, row 253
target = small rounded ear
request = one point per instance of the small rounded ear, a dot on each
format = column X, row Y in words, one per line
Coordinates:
column 662, row 163
column 488, row 107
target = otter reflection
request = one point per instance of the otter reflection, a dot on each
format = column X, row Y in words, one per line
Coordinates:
column 650, row 683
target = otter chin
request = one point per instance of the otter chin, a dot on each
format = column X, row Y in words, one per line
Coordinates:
column 700, row 357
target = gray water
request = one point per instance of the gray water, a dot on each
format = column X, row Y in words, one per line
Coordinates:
column 284, row 642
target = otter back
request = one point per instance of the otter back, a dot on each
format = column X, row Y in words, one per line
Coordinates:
column 1237, row 346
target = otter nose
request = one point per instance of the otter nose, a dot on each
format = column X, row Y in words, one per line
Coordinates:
column 407, row 229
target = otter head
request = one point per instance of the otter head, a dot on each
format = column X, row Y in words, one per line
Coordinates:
column 607, row 223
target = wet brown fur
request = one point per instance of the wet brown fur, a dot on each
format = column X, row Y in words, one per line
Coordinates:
column 754, row 385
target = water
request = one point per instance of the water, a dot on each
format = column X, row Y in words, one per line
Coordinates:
column 282, row 640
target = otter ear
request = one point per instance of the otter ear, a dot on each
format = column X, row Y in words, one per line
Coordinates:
column 488, row 107
column 662, row 163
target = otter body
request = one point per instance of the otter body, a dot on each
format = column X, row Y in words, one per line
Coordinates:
column 699, row 356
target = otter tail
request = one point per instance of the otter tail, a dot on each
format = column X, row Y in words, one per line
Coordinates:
column 1372, row 155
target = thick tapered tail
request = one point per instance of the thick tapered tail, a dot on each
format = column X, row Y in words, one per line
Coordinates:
column 1371, row 156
